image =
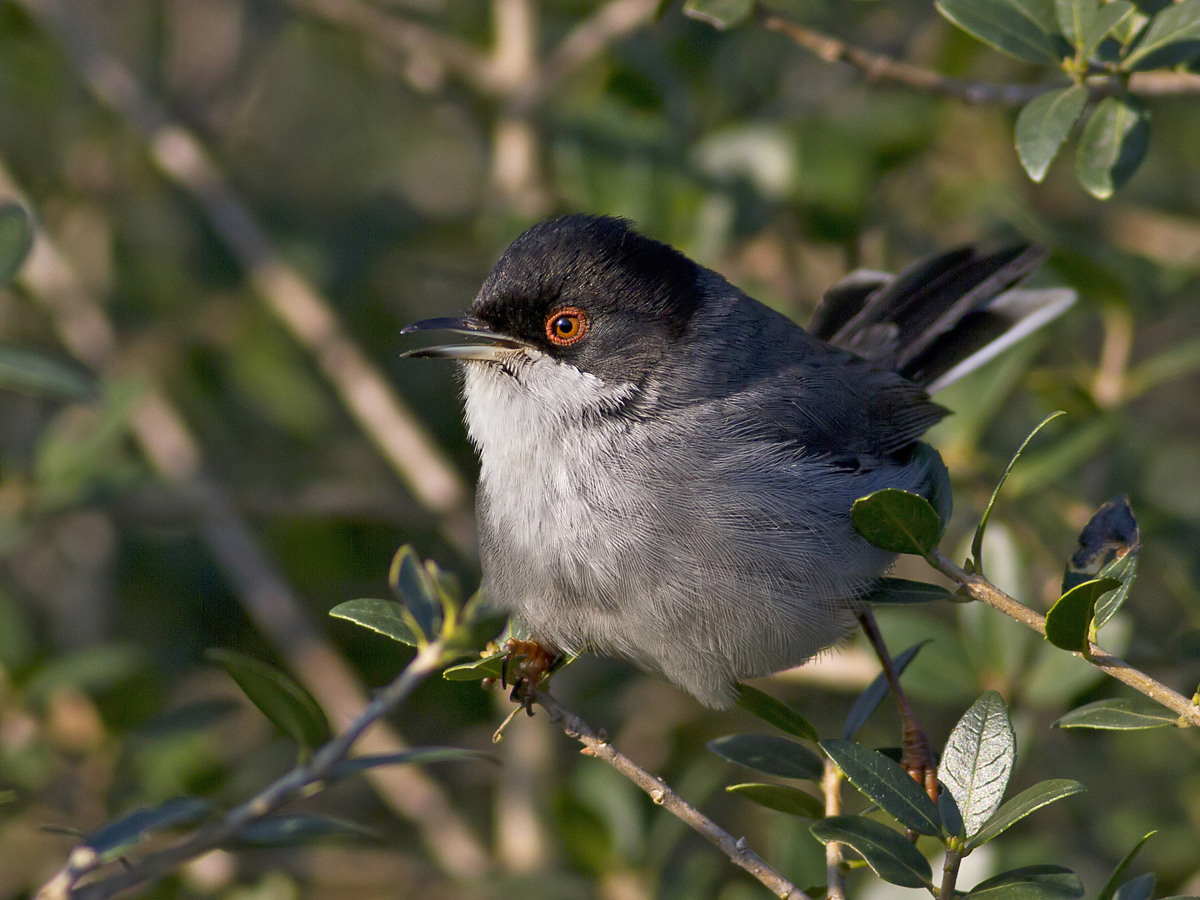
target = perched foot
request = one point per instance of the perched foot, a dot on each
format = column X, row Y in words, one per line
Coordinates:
column 525, row 664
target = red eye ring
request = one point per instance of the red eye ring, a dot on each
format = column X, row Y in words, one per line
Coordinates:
column 566, row 326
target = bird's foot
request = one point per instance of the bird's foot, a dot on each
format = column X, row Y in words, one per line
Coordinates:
column 917, row 757
column 524, row 666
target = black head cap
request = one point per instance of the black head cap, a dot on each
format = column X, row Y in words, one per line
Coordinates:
column 638, row 294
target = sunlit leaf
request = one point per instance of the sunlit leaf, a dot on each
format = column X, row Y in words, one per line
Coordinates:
column 112, row 839
column 781, row 797
column 887, row 852
column 1029, row 800
column 1044, row 124
column 1108, row 891
column 721, row 14
column 1069, row 621
column 1026, row 29
column 477, row 670
column 772, row 711
column 1122, row 714
column 1171, row 38
column 289, row 706
column 381, row 616
column 899, row 521
column 887, row 783
column 1112, row 145
column 978, row 760
column 870, row 698
column 770, row 754
column 1045, row 882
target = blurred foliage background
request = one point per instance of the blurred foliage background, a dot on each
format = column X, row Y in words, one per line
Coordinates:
column 240, row 203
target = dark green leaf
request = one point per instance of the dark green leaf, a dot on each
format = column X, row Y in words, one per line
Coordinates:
column 904, row 592
column 1171, row 38
column 481, row 623
column 1124, row 714
column 112, row 839
column 952, row 822
column 1043, row 126
column 896, row 520
column 1044, row 882
column 1139, row 888
column 772, row 711
column 1025, row 29
column 476, row 670
column 1110, row 886
column 1069, row 621
column 287, row 831
column 417, row 590
column 869, row 699
column 781, row 797
column 1108, row 17
column 356, row 764
column 977, row 540
column 1112, row 145
column 33, row 373
column 720, row 14
column 1029, row 800
column 381, row 616
column 887, row 783
column 886, row 851
column 770, row 754
column 282, row 700
column 978, row 760
column 1075, row 18
column 16, row 237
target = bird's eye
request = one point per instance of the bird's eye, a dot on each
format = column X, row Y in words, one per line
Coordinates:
column 566, row 326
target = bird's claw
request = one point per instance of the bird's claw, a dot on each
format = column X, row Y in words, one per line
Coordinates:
column 529, row 662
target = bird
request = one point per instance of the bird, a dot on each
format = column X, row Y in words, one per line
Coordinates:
column 668, row 466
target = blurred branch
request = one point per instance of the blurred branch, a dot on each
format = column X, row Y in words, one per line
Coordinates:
column 172, row 451
column 309, row 318
column 736, row 849
column 84, row 860
column 878, row 67
column 831, row 787
column 984, row 591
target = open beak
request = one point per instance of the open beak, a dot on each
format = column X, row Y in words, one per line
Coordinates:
column 496, row 346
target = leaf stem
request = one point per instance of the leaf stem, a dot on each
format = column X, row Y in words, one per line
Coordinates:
column 949, row 874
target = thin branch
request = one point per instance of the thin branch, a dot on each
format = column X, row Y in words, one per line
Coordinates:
column 879, row 67
column 281, row 791
column 986, row 592
column 661, row 793
column 831, row 787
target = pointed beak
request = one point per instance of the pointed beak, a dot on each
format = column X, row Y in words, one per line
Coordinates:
column 495, row 346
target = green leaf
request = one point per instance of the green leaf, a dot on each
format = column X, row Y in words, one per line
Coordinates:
column 978, row 760
column 288, row 831
column 417, row 590
column 16, row 237
column 899, row 521
column 481, row 623
column 869, row 699
column 890, row 591
column 1075, row 18
column 770, row 754
column 477, row 670
column 1110, row 886
column 1025, row 29
column 1069, row 621
column 721, row 14
column 781, row 797
column 111, row 840
column 1171, row 38
column 1029, row 800
column 356, row 764
column 1045, row 882
column 381, row 616
column 1139, row 888
column 886, row 851
column 977, row 541
column 772, row 711
column 1043, row 126
column 1112, row 145
column 887, row 783
column 33, row 373
column 1108, row 17
column 1123, row 570
column 289, row 706
column 1123, row 714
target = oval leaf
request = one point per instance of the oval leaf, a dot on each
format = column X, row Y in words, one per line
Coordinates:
column 1171, row 38
column 770, row 754
column 1043, row 126
column 1026, row 29
column 287, row 831
column 289, row 706
column 887, row 783
column 886, row 851
column 899, row 521
column 1075, row 18
column 904, row 592
column 978, row 760
column 870, row 699
column 721, row 14
column 477, row 670
column 1112, row 145
column 1045, row 882
column 381, row 616
column 781, row 797
column 112, row 839
column 772, row 711
column 1069, row 621
column 1041, row 794
column 417, row 590
column 1123, row 714
column 16, row 237
column 1107, row 17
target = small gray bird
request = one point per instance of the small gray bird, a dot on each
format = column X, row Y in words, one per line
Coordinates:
column 668, row 465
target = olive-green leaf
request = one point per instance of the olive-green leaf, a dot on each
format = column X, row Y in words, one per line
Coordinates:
column 1069, row 621
column 1139, row 888
column 890, row 591
column 772, row 711
column 109, row 841
column 356, row 764
column 1122, row 714
column 16, row 237
column 289, row 706
column 721, row 14
column 417, row 590
column 381, row 616
column 1044, row 882
column 1029, row 800
column 781, row 797
column 1171, row 38
column 477, row 670
column 886, row 851
column 978, row 760
column 287, row 831
column 1108, row 17
column 770, row 754
column 1123, row 570
column 870, row 698
column 1026, row 29
column 1112, row 145
column 1110, row 886
column 1043, row 126
column 899, row 521
column 34, row 373
column 1075, row 18
column 887, row 783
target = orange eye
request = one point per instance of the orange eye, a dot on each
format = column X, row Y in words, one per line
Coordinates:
column 566, row 326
